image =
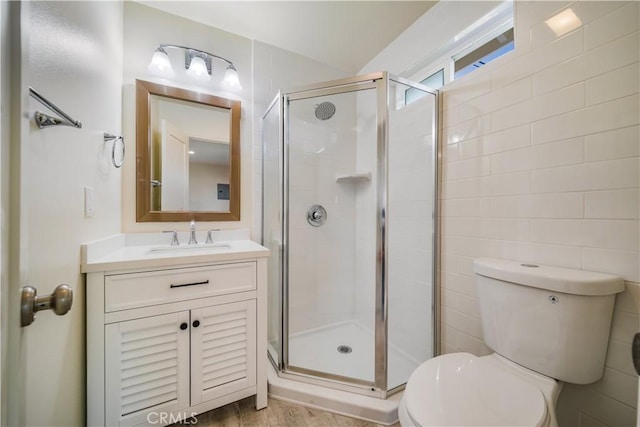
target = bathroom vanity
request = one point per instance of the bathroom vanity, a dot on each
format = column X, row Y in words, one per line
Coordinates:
column 173, row 331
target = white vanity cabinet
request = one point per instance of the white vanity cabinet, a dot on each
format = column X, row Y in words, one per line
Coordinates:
column 168, row 342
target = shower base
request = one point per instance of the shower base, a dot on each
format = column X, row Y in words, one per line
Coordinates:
column 341, row 402
column 319, row 350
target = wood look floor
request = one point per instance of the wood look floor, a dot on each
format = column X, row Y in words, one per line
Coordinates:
column 277, row 414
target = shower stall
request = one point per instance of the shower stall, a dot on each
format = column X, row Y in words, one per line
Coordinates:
column 349, row 214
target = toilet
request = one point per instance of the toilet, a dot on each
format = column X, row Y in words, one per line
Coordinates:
column 546, row 325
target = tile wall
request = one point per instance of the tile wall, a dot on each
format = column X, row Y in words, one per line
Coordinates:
column 540, row 164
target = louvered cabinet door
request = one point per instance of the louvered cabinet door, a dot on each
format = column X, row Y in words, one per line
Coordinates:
column 223, row 350
column 146, row 368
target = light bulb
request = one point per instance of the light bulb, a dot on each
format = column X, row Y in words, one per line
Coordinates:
column 231, row 80
column 198, row 70
column 160, row 64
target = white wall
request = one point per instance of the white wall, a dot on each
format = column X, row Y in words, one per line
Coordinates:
column 73, row 54
column 540, row 164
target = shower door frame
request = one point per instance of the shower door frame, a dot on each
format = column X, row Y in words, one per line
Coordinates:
column 379, row 82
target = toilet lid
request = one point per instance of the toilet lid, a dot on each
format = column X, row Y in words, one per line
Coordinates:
column 461, row 389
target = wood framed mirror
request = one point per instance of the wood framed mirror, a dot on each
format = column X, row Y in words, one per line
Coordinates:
column 187, row 155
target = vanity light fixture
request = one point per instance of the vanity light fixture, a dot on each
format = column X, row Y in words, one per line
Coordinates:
column 197, row 63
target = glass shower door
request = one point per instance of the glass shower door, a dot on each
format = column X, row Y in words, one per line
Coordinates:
column 272, row 223
column 330, row 161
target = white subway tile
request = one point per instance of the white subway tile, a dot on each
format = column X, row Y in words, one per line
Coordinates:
column 511, row 161
column 474, row 86
column 471, row 148
column 624, row 326
column 462, row 188
column 610, row 174
column 622, row 263
column 616, row 144
column 506, row 207
column 551, row 104
column 618, row 385
column 488, row 228
column 538, row 59
column 559, row 205
column 468, row 305
column 613, row 55
column 613, row 84
column 597, row 405
column 460, row 208
column 450, row 153
column 467, row 169
column 614, row 204
column 467, row 130
column 506, row 184
column 629, row 300
column 610, row 115
column 607, row 234
column 568, row 152
column 618, row 357
column 509, row 139
column 561, row 75
column 614, row 25
column 462, row 322
column 460, row 283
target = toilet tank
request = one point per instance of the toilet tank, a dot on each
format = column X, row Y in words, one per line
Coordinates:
column 552, row 320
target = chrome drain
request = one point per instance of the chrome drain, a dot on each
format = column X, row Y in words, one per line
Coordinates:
column 344, row 349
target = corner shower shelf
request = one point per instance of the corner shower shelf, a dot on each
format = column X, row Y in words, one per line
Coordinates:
column 355, row 177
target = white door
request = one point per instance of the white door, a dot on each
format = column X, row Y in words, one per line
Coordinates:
column 175, row 168
column 43, row 219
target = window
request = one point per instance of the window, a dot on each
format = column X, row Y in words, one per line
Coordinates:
column 434, row 81
column 484, row 54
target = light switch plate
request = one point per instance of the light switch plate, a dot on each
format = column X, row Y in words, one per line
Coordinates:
column 88, row 202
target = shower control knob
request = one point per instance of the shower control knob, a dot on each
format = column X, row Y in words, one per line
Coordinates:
column 316, row 215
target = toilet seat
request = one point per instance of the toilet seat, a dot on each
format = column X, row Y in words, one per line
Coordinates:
column 461, row 389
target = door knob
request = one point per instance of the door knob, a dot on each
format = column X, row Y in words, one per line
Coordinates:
column 59, row 301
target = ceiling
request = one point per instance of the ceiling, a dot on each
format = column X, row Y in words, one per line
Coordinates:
column 343, row 34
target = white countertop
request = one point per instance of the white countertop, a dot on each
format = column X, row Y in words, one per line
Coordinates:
column 152, row 250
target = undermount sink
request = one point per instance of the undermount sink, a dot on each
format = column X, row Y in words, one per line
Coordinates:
column 205, row 247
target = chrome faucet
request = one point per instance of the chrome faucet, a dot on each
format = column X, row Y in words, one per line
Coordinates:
column 192, row 235
column 174, row 237
column 209, row 235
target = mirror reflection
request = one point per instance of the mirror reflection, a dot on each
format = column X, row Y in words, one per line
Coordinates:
column 188, row 155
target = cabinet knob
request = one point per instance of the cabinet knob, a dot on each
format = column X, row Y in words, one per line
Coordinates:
column 196, row 323
column 184, row 325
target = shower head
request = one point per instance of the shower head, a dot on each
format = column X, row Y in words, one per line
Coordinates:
column 325, row 110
